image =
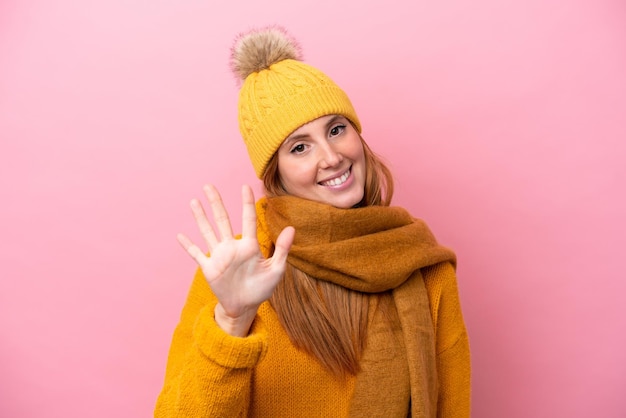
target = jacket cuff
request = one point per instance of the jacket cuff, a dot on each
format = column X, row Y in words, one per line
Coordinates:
column 223, row 348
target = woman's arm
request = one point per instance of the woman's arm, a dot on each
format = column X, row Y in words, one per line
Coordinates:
column 220, row 337
column 208, row 371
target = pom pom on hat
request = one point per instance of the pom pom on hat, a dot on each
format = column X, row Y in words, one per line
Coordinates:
column 257, row 50
column 279, row 93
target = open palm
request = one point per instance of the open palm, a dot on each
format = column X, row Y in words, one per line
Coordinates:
column 238, row 274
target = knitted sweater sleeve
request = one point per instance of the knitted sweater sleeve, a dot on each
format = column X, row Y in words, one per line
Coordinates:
column 208, row 371
column 453, row 354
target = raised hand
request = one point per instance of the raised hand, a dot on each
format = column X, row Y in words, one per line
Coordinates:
column 240, row 277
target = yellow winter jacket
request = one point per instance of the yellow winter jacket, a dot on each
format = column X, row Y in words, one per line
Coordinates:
column 212, row 374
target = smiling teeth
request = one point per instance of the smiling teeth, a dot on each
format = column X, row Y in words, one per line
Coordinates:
column 338, row 181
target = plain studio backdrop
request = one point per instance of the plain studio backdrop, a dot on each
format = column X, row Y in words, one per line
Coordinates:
column 503, row 121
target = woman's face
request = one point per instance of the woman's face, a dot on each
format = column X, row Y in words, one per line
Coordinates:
column 324, row 161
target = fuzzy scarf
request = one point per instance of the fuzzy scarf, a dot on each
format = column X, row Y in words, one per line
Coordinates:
column 371, row 249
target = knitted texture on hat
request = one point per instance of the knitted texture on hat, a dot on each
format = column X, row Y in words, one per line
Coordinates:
column 280, row 93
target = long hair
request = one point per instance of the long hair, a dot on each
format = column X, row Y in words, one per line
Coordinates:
column 326, row 320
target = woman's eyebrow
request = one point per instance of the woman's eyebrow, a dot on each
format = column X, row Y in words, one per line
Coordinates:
column 333, row 120
column 290, row 139
column 294, row 138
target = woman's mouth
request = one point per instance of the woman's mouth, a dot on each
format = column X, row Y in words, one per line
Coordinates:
column 337, row 181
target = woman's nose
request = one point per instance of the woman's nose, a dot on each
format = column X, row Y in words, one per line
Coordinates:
column 330, row 156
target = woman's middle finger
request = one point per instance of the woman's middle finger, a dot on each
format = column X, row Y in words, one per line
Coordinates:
column 203, row 224
column 220, row 215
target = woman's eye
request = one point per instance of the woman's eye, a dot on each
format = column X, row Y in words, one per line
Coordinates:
column 298, row 149
column 336, row 130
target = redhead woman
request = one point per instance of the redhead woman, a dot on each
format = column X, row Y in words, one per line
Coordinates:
column 330, row 302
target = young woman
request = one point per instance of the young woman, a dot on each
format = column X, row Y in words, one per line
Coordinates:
column 331, row 303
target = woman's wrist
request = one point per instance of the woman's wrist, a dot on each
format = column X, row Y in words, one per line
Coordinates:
column 237, row 327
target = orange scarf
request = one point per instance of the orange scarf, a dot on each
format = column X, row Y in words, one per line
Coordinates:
column 371, row 249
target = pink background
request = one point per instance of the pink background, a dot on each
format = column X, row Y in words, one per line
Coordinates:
column 504, row 122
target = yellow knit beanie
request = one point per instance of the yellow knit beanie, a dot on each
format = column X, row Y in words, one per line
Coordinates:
column 280, row 93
